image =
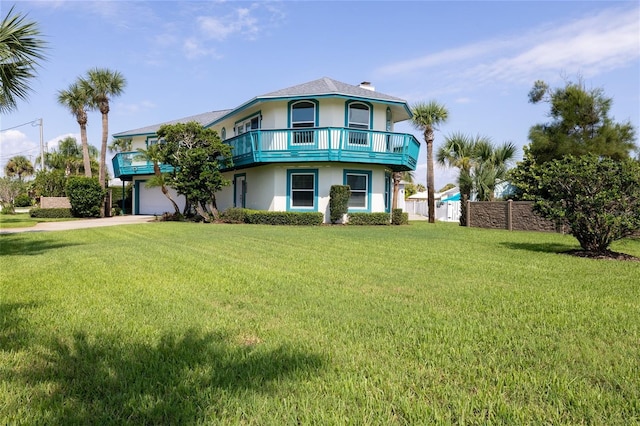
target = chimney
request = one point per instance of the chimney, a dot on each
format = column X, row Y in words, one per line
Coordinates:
column 367, row 85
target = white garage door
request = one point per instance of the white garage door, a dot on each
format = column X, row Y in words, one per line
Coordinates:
column 153, row 201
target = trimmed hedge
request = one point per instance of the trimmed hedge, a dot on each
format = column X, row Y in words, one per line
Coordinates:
column 369, row 219
column 85, row 195
column 50, row 213
column 398, row 217
column 234, row 215
column 339, row 202
column 260, row 217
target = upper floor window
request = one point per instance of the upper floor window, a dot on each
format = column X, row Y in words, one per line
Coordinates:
column 248, row 124
column 223, row 133
column 303, row 116
column 359, row 116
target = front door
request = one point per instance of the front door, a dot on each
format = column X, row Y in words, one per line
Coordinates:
column 240, row 189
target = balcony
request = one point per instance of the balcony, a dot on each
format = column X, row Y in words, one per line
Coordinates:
column 398, row 151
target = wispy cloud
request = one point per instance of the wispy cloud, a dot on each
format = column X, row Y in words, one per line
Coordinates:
column 588, row 46
column 134, row 108
column 240, row 21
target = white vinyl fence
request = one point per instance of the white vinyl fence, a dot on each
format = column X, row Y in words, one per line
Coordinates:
column 449, row 211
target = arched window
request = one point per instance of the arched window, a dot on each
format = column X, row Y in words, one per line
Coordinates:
column 358, row 117
column 223, row 134
column 303, row 115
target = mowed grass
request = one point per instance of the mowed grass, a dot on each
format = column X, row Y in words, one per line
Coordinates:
column 177, row 323
column 23, row 220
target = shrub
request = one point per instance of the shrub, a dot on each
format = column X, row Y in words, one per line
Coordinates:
column 50, row 183
column 283, row 218
column 50, row 213
column 234, row 215
column 85, row 195
column 598, row 197
column 369, row 218
column 23, row 201
column 398, row 217
column 338, row 202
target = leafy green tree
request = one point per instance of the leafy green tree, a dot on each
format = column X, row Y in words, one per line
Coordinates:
column 598, row 197
column 197, row 154
column 21, row 47
column 76, row 100
column 9, row 190
column 153, row 153
column 19, row 166
column 101, row 85
column 50, row 183
column 427, row 117
column 580, row 124
column 85, row 195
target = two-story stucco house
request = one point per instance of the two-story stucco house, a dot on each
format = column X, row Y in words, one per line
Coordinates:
column 290, row 146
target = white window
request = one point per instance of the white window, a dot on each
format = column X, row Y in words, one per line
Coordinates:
column 358, row 118
column 303, row 115
column 251, row 123
column 302, row 189
column 359, row 183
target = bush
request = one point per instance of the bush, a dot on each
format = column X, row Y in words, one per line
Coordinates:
column 598, row 197
column 369, row 218
column 234, row 215
column 85, row 195
column 338, row 202
column 50, row 184
column 398, row 217
column 283, row 218
column 23, row 201
column 50, row 213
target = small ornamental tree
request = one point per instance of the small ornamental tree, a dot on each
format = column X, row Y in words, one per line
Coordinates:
column 598, row 197
column 338, row 202
column 85, row 195
column 197, row 154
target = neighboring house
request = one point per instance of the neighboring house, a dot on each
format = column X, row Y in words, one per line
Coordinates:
column 290, row 146
column 447, row 204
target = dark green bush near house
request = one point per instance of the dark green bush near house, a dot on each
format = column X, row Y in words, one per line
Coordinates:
column 85, row 196
column 50, row 213
column 398, row 217
column 260, row 217
column 116, row 198
column 369, row 218
column 234, row 215
column 23, row 201
column 338, row 202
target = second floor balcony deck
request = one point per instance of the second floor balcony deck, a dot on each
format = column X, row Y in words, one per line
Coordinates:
column 398, row 151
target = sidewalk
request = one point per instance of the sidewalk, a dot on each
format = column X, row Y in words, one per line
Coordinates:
column 80, row 224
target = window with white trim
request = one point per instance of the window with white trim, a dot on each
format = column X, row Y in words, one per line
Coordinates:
column 359, row 183
column 303, row 115
column 359, row 117
column 252, row 123
column 302, row 189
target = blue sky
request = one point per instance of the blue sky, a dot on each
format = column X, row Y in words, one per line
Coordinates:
column 478, row 58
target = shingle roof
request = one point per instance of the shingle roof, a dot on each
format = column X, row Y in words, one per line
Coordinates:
column 204, row 119
column 329, row 86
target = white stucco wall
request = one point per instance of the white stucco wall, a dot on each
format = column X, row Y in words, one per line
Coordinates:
column 152, row 200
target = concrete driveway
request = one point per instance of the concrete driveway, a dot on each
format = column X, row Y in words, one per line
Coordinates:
column 80, row 224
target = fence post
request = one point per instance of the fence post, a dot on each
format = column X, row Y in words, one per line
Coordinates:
column 510, row 215
column 468, row 213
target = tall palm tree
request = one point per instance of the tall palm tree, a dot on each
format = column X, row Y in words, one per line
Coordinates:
column 491, row 168
column 76, row 99
column 103, row 84
column 19, row 166
column 20, row 50
column 427, row 117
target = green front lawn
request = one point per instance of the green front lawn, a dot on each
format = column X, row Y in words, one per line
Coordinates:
column 181, row 323
column 23, row 220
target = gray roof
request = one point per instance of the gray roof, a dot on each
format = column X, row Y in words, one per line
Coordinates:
column 204, row 119
column 320, row 87
column 328, row 86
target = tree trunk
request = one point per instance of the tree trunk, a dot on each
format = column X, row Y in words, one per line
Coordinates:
column 102, row 171
column 86, row 160
column 428, row 137
column 163, row 188
column 396, row 187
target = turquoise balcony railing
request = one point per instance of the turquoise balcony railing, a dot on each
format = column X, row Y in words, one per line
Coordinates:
column 398, row 151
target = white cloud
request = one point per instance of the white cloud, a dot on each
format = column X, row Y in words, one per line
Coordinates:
column 587, row 46
column 194, row 49
column 127, row 109
column 240, row 21
column 14, row 142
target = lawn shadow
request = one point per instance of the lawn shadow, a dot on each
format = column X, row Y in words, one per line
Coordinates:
column 100, row 380
column 18, row 245
column 539, row 247
column 14, row 333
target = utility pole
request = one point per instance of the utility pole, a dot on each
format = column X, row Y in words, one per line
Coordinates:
column 41, row 148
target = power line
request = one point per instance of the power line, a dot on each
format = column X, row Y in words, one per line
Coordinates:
column 20, row 125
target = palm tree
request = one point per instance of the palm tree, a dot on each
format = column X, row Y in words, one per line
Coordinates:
column 427, row 117
column 19, row 166
column 491, row 168
column 76, row 99
column 102, row 84
column 458, row 151
column 20, row 50
column 68, row 157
